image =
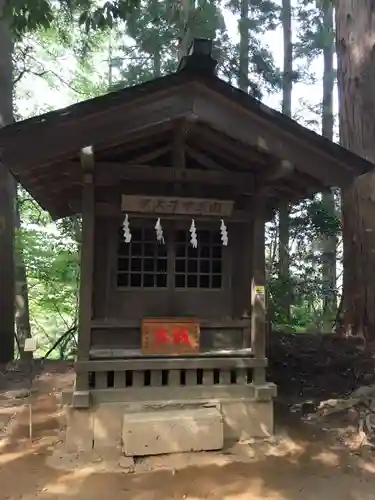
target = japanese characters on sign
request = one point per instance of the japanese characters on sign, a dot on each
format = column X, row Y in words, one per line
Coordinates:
column 259, row 290
column 179, row 206
column 170, row 336
column 260, row 293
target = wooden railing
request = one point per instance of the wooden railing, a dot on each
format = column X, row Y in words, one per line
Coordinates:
column 169, row 378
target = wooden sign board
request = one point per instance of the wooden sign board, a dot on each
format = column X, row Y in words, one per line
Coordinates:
column 170, row 336
column 179, row 206
column 30, row 345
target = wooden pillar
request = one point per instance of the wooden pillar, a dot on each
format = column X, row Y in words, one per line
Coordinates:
column 254, row 274
column 87, row 266
column 258, row 316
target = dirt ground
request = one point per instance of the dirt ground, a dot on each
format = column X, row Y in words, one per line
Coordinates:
column 307, row 462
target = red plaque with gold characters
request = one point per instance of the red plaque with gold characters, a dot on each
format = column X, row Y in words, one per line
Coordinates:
column 170, row 336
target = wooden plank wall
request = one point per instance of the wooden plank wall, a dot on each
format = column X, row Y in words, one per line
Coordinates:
column 130, row 338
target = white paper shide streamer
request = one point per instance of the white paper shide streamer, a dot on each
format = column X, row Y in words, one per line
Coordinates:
column 159, row 231
column 193, row 235
column 224, row 233
column 126, row 229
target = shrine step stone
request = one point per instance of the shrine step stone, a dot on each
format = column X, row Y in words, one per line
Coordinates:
column 172, row 431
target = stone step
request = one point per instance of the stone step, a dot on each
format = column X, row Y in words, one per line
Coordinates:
column 172, row 431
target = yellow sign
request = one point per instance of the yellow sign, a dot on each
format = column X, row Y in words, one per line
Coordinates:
column 259, row 290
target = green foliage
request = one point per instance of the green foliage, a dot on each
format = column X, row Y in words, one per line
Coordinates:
column 263, row 74
column 155, row 29
column 305, row 289
column 50, row 254
column 31, row 15
column 323, row 221
column 312, row 34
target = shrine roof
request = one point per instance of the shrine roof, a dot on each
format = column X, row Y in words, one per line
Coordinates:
column 43, row 152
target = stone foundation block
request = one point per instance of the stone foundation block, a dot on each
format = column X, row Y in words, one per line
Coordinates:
column 246, row 419
column 81, row 399
column 172, row 431
column 107, row 426
column 265, row 392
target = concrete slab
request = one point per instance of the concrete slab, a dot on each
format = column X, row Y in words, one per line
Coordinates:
column 172, row 431
column 244, row 420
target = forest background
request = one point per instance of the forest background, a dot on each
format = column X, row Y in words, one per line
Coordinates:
column 282, row 52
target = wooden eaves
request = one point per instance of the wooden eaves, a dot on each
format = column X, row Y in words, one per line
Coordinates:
column 231, row 137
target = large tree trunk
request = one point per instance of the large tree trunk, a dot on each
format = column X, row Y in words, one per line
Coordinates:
column 287, row 110
column 329, row 241
column 186, row 9
column 243, row 77
column 22, row 296
column 355, row 36
column 7, row 196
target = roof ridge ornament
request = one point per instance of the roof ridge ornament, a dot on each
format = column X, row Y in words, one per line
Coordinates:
column 199, row 58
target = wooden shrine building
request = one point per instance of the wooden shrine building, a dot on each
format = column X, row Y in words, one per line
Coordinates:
column 175, row 179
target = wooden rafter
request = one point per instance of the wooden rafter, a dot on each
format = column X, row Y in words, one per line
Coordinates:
column 134, row 141
column 151, row 155
column 204, row 160
column 240, row 153
column 231, row 160
column 275, row 173
column 253, row 131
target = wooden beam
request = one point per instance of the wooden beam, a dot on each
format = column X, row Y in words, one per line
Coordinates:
column 119, row 323
column 87, row 159
column 146, row 157
column 87, row 262
column 253, row 130
column 138, row 139
column 111, row 173
column 175, row 363
column 204, row 160
column 275, row 173
column 108, row 173
column 178, row 149
column 258, row 315
column 179, row 156
column 268, row 181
